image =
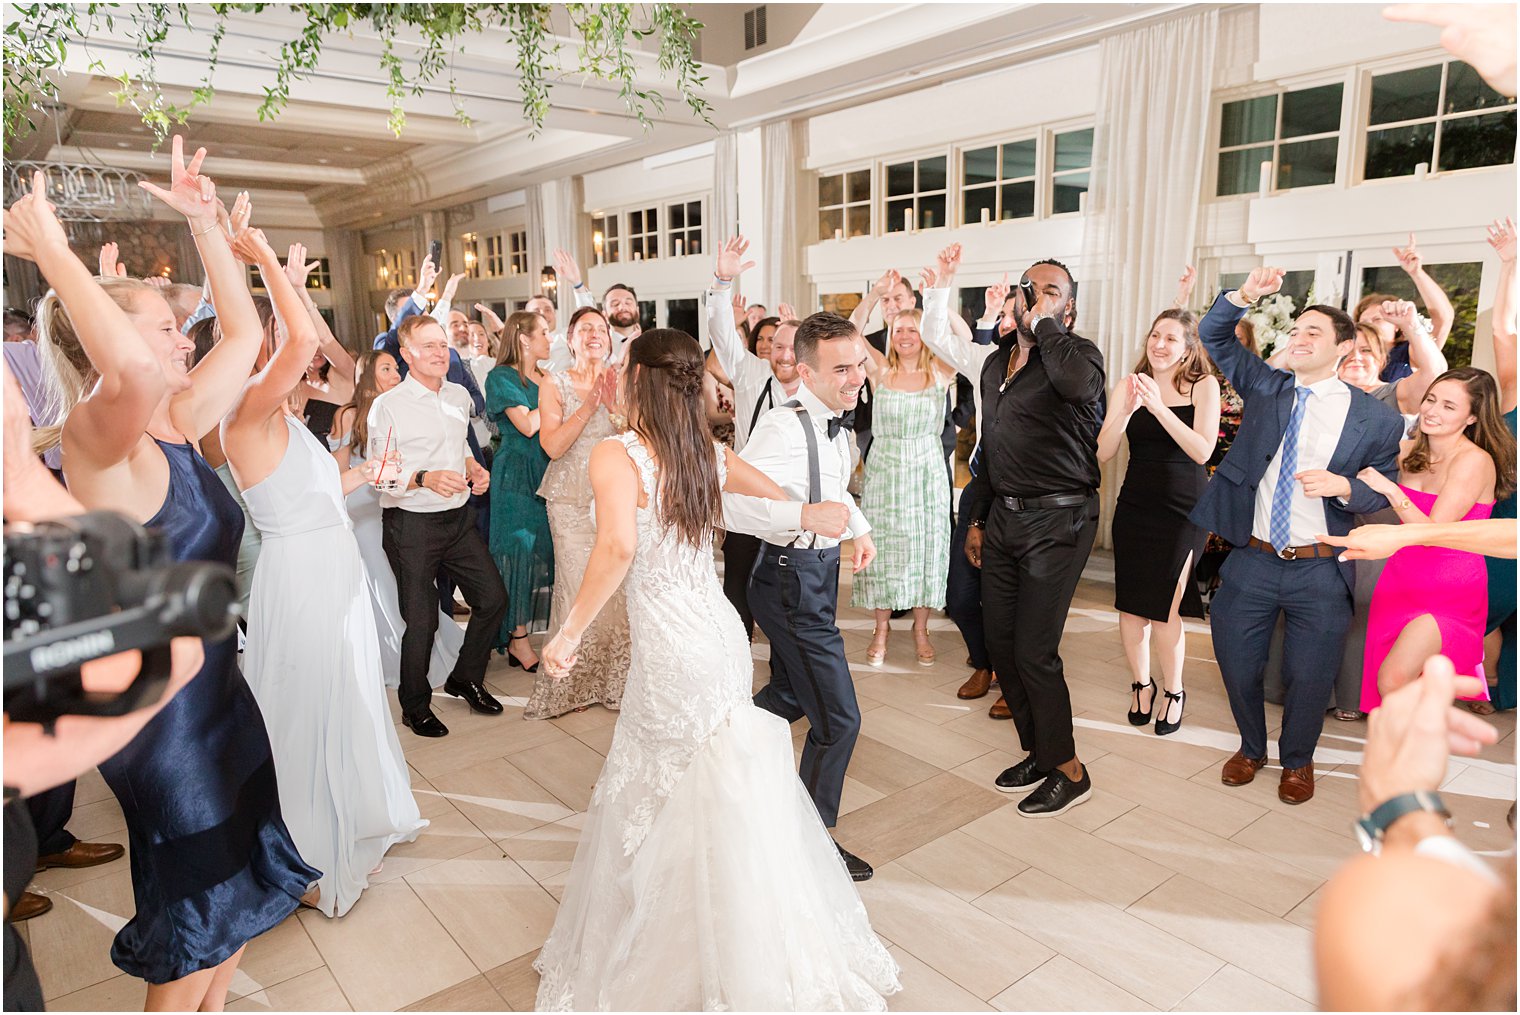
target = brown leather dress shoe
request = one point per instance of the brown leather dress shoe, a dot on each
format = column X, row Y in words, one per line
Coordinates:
column 999, row 709
column 1297, row 785
column 1240, row 769
column 82, row 854
column 29, row 905
column 976, row 687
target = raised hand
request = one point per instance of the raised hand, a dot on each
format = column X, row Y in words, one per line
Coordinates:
column 1261, row 282
column 296, row 267
column 1401, row 313
column 994, row 298
column 427, row 275
column 488, row 317
column 157, row 281
column 1409, row 257
column 235, row 221
column 926, row 278
column 948, row 262
column 252, row 247
column 110, row 267
column 738, row 302
column 32, row 226
column 884, row 285
column 449, row 287
column 566, row 270
column 1501, row 236
column 731, row 263
column 787, row 312
column 1185, row 287
column 189, row 193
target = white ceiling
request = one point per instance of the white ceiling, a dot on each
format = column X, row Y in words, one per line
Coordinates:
column 332, row 143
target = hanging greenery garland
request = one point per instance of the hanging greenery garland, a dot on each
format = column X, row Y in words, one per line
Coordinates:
column 38, row 36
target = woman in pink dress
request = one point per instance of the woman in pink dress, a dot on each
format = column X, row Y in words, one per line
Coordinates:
column 1430, row 599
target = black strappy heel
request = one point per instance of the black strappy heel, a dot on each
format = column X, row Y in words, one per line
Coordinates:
column 512, row 660
column 1162, row 726
column 1137, row 718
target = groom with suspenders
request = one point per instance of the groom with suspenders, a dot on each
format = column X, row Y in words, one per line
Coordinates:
column 794, row 589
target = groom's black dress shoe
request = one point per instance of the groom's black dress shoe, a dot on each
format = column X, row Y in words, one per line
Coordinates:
column 858, row 868
column 425, row 725
column 479, row 698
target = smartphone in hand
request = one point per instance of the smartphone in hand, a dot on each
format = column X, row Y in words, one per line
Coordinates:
column 436, row 253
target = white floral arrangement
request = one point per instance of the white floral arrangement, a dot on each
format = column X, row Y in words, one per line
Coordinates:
column 1271, row 320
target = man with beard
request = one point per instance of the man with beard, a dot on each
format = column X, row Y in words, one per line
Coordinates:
column 621, row 305
column 1033, row 514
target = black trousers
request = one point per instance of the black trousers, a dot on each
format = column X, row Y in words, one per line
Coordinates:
column 50, row 811
column 1031, row 562
column 963, row 595
column 794, row 593
column 739, row 552
column 421, row 546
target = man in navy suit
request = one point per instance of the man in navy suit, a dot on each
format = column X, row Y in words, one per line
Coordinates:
column 1289, row 476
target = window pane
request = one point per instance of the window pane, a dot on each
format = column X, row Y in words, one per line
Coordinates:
column 1069, row 191
column 900, row 179
column 1406, row 95
column 1247, row 121
column 1018, row 160
column 931, row 174
column 635, row 222
column 1306, row 163
column 681, row 315
column 611, row 225
column 1460, row 283
column 694, row 213
column 974, row 202
column 931, row 212
column 857, row 220
column 646, row 313
column 651, row 220
column 694, row 241
column 830, row 190
column 636, row 247
column 1240, row 171
column 1018, row 200
column 896, row 212
column 1312, row 111
column 652, row 245
column 1465, row 90
column 858, row 185
column 678, row 216
column 1074, row 150
column 1472, row 141
column 829, row 220
column 979, row 166
column 1395, row 152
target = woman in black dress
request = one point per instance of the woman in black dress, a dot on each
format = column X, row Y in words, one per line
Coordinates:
column 1169, row 410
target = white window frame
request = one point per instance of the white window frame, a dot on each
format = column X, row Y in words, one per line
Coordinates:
column 869, row 203
column 644, row 235
column 1343, row 150
column 961, row 187
column 395, row 269
column 883, row 199
column 495, row 256
column 683, row 233
column 517, row 257
column 1048, row 166
column 469, row 250
column 1363, row 129
column 612, row 240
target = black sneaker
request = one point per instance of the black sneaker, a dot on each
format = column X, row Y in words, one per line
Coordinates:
column 1056, row 795
column 858, row 868
column 1021, row 778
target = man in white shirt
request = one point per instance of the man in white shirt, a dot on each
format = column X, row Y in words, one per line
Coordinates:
column 429, row 526
column 759, row 386
column 794, row 590
column 1290, row 475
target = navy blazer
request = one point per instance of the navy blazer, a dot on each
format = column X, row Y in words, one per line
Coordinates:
column 1370, row 438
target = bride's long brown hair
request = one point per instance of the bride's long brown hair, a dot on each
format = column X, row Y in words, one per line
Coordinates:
column 663, row 390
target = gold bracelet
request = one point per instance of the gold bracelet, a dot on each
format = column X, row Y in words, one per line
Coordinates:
column 203, row 232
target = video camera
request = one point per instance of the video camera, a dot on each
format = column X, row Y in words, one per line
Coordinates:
column 90, row 586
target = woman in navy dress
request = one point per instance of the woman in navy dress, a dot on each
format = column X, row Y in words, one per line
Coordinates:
column 213, row 865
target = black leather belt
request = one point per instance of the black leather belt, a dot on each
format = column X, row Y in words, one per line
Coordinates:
column 1055, row 500
column 785, row 556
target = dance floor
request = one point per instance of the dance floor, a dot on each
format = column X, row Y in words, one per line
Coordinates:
column 1165, row 890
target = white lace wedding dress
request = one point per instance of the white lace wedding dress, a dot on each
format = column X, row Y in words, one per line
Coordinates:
column 704, row 878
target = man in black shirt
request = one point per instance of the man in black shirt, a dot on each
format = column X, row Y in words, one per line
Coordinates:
column 1034, row 511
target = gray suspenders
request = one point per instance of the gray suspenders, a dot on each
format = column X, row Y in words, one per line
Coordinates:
column 815, row 482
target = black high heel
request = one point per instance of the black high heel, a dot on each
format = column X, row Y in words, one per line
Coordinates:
column 512, row 660
column 1137, row 718
column 1162, row 726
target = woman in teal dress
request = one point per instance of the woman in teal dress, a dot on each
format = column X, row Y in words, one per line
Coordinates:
column 519, row 521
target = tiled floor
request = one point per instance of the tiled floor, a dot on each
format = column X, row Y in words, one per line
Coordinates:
column 1165, row 890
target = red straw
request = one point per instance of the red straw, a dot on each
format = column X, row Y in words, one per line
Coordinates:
column 385, row 452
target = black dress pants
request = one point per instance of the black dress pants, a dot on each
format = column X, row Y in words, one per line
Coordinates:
column 739, row 552
column 421, row 546
column 793, row 593
column 1031, row 562
column 51, row 810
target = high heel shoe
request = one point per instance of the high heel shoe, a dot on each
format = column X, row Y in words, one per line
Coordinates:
column 1137, row 717
column 512, row 660
column 1162, row 726
column 876, row 656
column 924, row 649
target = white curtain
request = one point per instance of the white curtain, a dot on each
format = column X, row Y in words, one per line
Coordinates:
column 1149, row 147
column 781, row 253
column 561, row 218
column 723, row 217
column 539, row 252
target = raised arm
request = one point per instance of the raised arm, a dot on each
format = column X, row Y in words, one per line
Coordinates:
column 1501, row 236
column 733, row 357
column 265, row 394
column 1242, row 367
column 862, row 312
column 109, row 422
column 1185, row 287
column 1121, row 406
column 957, row 352
column 1437, row 305
column 298, row 269
column 440, row 311
column 220, row 375
column 1197, row 441
column 1425, row 360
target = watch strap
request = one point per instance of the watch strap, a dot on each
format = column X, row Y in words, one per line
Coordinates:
column 419, row 477
column 1374, row 825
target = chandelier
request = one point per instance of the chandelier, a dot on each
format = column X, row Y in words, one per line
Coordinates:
column 82, row 192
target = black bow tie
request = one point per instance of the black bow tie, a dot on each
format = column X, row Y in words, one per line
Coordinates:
column 845, row 420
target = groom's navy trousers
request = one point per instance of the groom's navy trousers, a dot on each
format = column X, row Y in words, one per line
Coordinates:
column 793, row 593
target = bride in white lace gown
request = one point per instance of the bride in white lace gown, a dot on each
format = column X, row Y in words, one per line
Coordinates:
column 704, row 878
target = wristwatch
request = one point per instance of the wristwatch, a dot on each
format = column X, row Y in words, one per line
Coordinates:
column 419, row 477
column 1370, row 828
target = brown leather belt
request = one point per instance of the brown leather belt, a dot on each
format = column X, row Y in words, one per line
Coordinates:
column 1310, row 552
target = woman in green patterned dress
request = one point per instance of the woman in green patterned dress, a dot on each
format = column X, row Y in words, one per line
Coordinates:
column 906, row 495
column 519, row 521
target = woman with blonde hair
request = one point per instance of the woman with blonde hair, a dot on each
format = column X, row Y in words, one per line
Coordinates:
column 519, row 519
column 905, row 493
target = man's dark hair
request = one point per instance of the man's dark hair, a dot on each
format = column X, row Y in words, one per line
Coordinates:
column 907, row 284
column 618, row 285
column 1345, row 327
column 18, row 319
column 393, row 302
column 1072, row 282
column 820, row 327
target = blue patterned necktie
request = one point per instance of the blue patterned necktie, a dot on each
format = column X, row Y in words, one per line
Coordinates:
column 1282, row 497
